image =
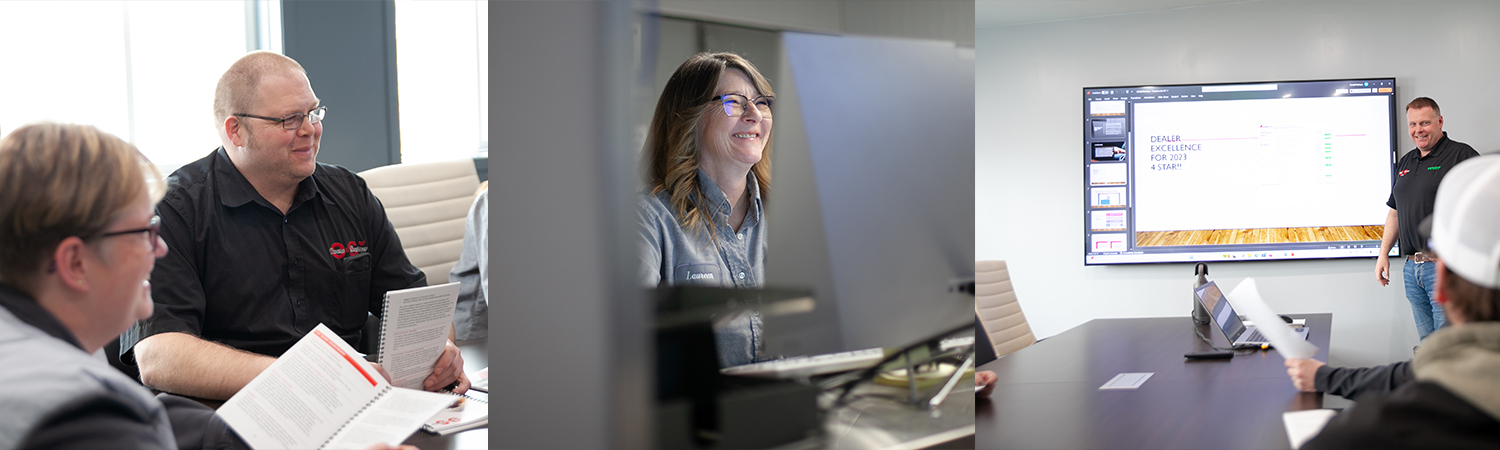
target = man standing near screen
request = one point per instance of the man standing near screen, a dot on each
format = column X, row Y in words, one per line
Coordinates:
column 1417, row 176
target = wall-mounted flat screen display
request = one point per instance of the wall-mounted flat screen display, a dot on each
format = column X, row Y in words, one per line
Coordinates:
column 1270, row 170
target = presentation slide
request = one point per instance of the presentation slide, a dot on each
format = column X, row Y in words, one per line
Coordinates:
column 1260, row 163
column 1108, row 242
column 1111, row 197
column 1108, row 174
column 1108, row 220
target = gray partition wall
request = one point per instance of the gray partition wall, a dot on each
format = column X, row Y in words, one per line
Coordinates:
column 572, row 322
column 349, row 51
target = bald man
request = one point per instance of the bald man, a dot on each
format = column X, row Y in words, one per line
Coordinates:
column 268, row 243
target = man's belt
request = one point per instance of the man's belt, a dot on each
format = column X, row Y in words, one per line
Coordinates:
column 1420, row 257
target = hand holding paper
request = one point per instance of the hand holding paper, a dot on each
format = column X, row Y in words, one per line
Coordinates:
column 1247, row 299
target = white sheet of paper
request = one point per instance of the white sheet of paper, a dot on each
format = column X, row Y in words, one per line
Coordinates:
column 1246, row 299
column 1301, row 426
column 1127, row 380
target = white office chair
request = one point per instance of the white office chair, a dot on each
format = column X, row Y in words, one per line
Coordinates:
column 428, row 204
column 999, row 312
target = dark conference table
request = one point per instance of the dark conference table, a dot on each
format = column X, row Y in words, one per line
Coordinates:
column 1048, row 396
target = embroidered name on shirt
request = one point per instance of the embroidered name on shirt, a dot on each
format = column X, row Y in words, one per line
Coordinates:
column 340, row 250
column 1434, row 167
column 700, row 276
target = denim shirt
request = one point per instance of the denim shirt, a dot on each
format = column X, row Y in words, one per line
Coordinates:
column 673, row 256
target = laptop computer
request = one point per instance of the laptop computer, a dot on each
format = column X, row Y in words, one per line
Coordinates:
column 1229, row 323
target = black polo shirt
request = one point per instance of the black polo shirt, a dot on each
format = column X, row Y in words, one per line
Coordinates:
column 1415, row 190
column 241, row 273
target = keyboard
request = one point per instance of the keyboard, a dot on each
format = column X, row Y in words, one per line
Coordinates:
column 1256, row 337
column 805, row 366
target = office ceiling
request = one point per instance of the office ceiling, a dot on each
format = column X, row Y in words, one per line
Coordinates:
column 999, row 13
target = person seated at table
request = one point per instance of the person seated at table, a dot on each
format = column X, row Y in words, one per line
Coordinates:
column 79, row 235
column 270, row 243
column 707, row 172
column 79, row 239
column 1310, row 375
column 472, row 272
column 1454, row 401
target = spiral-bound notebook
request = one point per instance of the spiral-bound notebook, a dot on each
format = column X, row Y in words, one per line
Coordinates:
column 473, row 412
column 414, row 330
column 322, row 394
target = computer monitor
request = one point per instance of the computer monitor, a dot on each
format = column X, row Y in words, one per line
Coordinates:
column 872, row 195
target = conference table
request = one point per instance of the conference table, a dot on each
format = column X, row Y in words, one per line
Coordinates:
column 1048, row 396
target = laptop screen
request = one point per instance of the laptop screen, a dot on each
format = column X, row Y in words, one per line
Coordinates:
column 1217, row 306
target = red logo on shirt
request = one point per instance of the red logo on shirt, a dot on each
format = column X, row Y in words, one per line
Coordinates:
column 340, row 250
column 1402, row 173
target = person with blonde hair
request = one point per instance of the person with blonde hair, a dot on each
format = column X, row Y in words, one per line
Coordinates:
column 270, row 243
column 79, row 235
column 707, row 172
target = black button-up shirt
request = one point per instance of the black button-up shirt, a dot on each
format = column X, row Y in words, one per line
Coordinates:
column 241, row 273
column 1415, row 189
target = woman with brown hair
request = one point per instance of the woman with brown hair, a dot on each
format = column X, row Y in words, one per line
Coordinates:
column 707, row 170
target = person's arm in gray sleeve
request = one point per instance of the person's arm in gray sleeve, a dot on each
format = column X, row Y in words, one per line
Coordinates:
column 108, row 420
column 1352, row 382
column 650, row 240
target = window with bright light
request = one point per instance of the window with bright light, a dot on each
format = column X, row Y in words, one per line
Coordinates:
column 442, row 73
column 142, row 70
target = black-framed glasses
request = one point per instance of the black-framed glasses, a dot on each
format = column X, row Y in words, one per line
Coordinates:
column 294, row 120
column 734, row 104
column 154, row 229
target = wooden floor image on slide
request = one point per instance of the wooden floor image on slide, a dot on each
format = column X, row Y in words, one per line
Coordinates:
column 1258, row 236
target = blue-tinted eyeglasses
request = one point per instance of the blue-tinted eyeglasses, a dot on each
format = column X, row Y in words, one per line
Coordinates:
column 734, row 104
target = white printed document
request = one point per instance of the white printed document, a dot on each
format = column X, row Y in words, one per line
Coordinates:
column 321, row 394
column 1302, row 426
column 414, row 331
column 1287, row 342
column 471, row 411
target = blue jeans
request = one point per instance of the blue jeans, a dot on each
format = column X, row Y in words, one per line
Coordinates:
column 1421, row 282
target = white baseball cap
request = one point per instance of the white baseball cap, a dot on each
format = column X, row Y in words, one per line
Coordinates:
column 1466, row 220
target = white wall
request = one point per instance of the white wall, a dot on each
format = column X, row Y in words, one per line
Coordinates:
column 1028, row 148
column 947, row 20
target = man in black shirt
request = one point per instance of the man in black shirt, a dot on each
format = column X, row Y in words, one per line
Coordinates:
column 267, row 243
column 1417, row 176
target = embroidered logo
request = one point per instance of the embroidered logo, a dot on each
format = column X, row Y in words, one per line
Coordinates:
column 1434, row 167
column 1403, row 173
column 700, row 276
column 340, row 250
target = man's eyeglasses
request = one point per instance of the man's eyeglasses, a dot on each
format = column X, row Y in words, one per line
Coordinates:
column 734, row 104
column 294, row 120
column 154, row 229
